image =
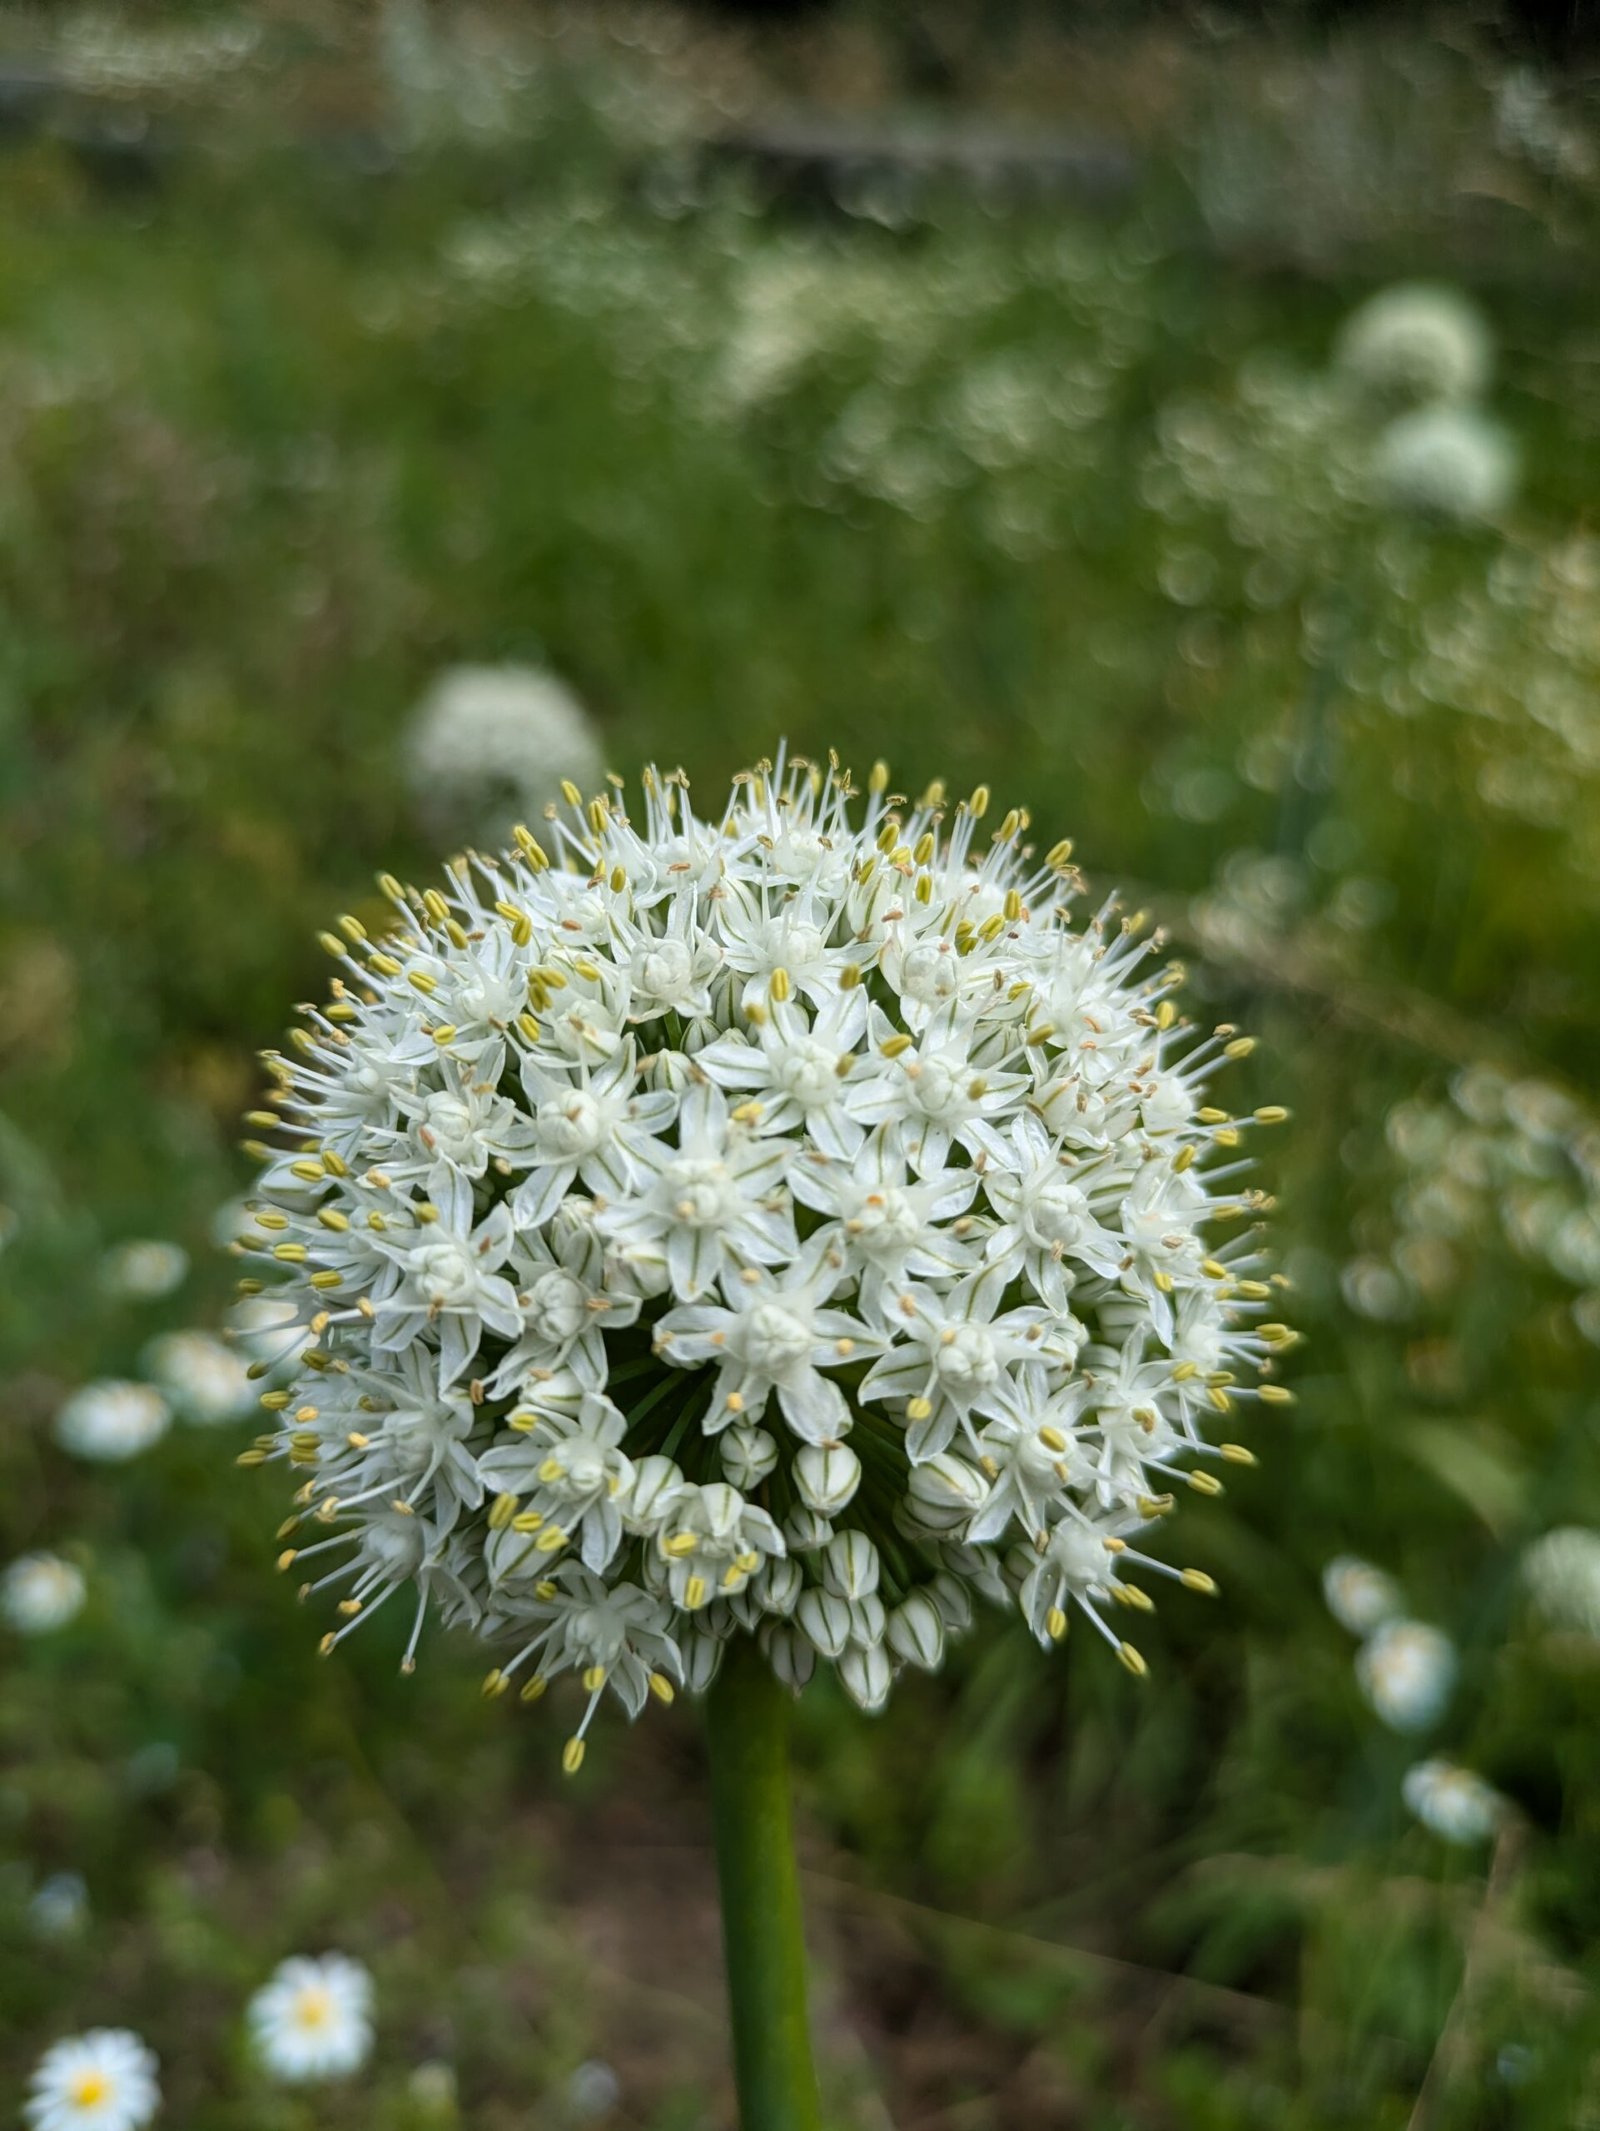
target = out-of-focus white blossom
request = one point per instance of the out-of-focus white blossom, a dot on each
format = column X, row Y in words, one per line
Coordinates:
column 1360, row 1597
column 144, row 1270
column 59, row 1906
column 112, row 1420
column 1416, row 343
column 205, row 1379
column 40, row 1592
column 102, row 2081
column 1446, row 461
column 313, row 2019
column 1561, row 1572
column 1452, row 1802
column 1407, row 1671
column 593, row 2090
column 782, row 1222
column 489, row 746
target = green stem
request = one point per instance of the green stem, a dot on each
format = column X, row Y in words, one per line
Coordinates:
column 747, row 1722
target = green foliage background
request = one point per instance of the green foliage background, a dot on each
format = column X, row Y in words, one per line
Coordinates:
column 352, row 347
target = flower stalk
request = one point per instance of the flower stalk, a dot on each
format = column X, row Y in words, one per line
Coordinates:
column 747, row 1720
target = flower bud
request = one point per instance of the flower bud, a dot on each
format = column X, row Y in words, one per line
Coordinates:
column 867, row 1675
column 777, row 1589
column 804, row 1531
column 646, row 1502
column 850, row 1565
column 915, row 1632
column 825, row 1618
column 953, row 1602
column 702, row 1658
column 792, row 1657
column 748, row 1455
column 868, row 1619
column 827, row 1476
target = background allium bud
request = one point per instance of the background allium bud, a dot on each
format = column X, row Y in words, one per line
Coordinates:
column 785, row 1223
column 489, row 746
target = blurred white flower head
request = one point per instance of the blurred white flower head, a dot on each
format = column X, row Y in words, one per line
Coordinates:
column 489, row 746
column 1407, row 1671
column 39, row 1592
column 1446, row 462
column 270, row 1329
column 102, row 2081
column 205, row 1379
column 112, row 1420
column 1415, row 343
column 1561, row 1573
column 646, row 1170
column 1359, row 1597
column 144, row 1270
column 593, row 2090
column 59, row 1906
column 313, row 2019
column 1452, row 1802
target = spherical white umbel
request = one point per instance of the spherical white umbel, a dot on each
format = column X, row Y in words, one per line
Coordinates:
column 1446, row 462
column 1407, row 1671
column 1415, row 343
column 489, row 746
column 783, row 1222
column 40, row 1593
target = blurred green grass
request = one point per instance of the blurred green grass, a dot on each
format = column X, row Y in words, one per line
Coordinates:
column 316, row 393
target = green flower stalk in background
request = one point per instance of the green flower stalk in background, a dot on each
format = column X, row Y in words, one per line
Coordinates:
column 735, row 1244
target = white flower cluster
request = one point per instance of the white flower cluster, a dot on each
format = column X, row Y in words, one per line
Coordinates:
column 780, row 1223
column 1405, row 1668
column 489, row 746
column 40, row 1593
column 1561, row 1574
column 1417, row 342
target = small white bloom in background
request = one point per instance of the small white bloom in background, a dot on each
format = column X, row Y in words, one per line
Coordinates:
column 205, row 1379
column 1452, row 1802
column 231, row 1223
column 111, row 1420
column 59, row 1906
column 270, row 1330
column 40, row 1592
column 1561, row 1573
column 1359, row 1596
column 576, row 1380
column 313, row 2020
column 1446, row 462
column 1407, row 1671
column 144, row 1270
column 433, row 2087
column 489, row 746
column 593, row 2090
column 102, row 2081
column 1415, row 343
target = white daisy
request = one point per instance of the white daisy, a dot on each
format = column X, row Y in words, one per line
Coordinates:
column 102, row 2081
column 313, row 2019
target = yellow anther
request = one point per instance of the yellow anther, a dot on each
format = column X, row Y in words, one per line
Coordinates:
column 326, row 1280
column 529, row 1027
column 420, row 981
column 444, row 1034
column 1205, row 1483
column 501, row 1511
column 534, row 1688
column 551, row 1469
column 1183, row 1159
column 1213, row 1268
column 385, row 965
column 694, row 1594
column 849, row 976
column 918, row 1409
column 1241, row 1047
column 878, row 779
column 290, row 1253
column 594, row 1679
column 1236, row 1454
column 494, row 1685
column 551, row 1540
column 1198, row 1580
column 1133, row 1660
column 286, row 1559
column 527, row 1520
column 896, row 1046
column 572, row 1756
column 1275, row 1394
column 309, row 1172
column 330, row 1217
column 1052, row 1439
column 1219, row 1399
column 1271, row 1114
column 661, row 1687
column 1212, row 1117
column 679, row 1545
column 1055, row 1623
column 325, row 1647
column 1166, row 1014
column 570, row 793
column 335, row 1164
column 978, row 804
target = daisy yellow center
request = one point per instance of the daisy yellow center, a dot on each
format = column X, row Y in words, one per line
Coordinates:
column 89, row 2088
column 313, row 2008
